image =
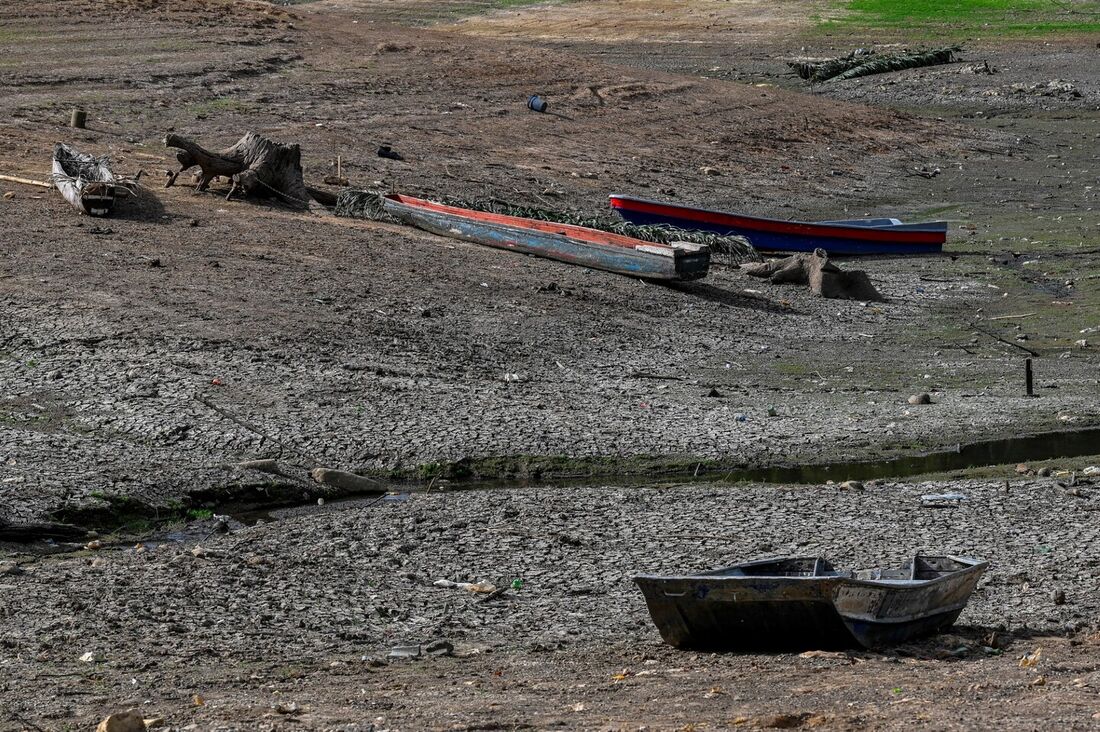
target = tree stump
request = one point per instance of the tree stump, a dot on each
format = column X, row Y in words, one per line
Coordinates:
column 814, row 269
column 255, row 166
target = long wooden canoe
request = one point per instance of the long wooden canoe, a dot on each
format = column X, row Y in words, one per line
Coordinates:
column 84, row 180
column 803, row 603
column 857, row 236
column 563, row 242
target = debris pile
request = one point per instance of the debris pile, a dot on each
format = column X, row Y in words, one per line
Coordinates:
column 864, row 62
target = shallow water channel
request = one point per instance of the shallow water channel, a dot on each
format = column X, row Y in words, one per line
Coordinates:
column 1043, row 446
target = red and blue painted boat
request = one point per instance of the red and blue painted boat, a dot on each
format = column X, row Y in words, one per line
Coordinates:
column 563, row 242
column 858, row 236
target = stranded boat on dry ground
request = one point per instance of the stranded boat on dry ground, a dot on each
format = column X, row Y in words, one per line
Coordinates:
column 563, row 242
column 858, row 236
column 803, row 603
column 84, row 180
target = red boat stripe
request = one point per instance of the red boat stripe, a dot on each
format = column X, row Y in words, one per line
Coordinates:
column 781, row 227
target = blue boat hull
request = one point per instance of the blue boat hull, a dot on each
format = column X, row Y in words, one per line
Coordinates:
column 860, row 236
column 781, row 242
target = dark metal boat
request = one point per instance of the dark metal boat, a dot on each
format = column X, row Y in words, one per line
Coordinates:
column 564, row 242
column 84, row 180
column 799, row 603
column 857, row 236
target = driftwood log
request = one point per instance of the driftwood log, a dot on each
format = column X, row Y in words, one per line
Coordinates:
column 40, row 531
column 255, row 166
column 814, row 269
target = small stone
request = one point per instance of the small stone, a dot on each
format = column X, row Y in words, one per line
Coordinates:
column 1059, row 597
column 92, row 657
column 922, row 398
column 1091, row 470
column 128, row 721
column 1023, row 469
column 772, row 412
column 288, row 708
column 373, row 661
column 9, row 195
column 714, row 393
column 851, row 485
column 1081, row 343
column 198, row 551
column 193, row 222
column 740, row 417
column 10, row 568
column 94, row 545
column 708, row 170
column 1043, row 472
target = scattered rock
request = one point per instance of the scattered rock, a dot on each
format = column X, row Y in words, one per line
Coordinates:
column 128, row 721
column 93, row 545
column 922, row 398
column 714, row 393
column 708, row 170
column 1023, row 469
column 851, row 485
column 92, row 657
column 288, row 708
column 1043, row 472
column 10, row 568
column 1059, row 597
column 1091, row 471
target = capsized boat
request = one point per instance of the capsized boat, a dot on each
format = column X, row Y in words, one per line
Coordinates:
column 855, row 236
column 563, row 242
column 799, row 603
column 84, row 180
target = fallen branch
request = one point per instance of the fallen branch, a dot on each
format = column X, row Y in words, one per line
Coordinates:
column 26, row 181
column 1007, row 343
column 1007, row 317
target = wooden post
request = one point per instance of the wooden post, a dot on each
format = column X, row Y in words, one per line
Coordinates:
column 1028, row 377
column 78, row 119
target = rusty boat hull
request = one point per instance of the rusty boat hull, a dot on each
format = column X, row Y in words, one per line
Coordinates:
column 802, row 603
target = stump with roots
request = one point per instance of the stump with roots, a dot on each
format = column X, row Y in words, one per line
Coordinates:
column 255, row 166
column 824, row 278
